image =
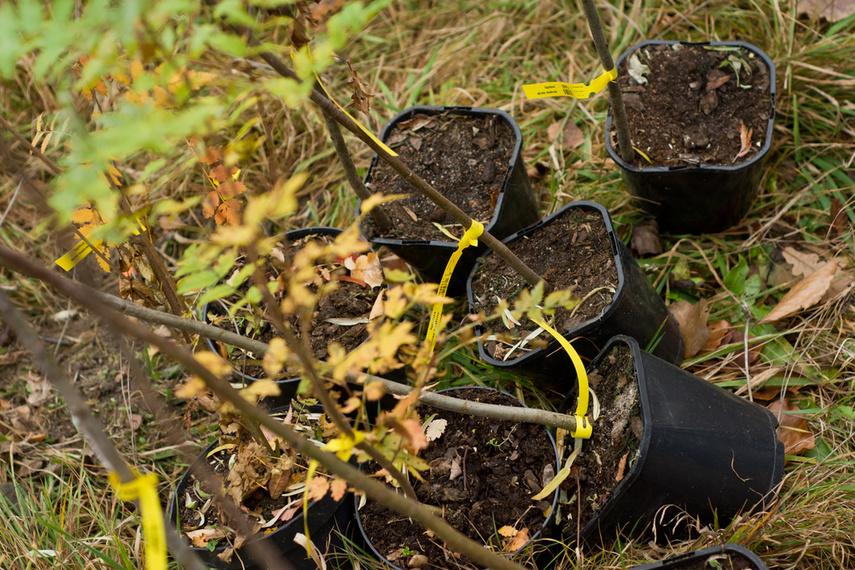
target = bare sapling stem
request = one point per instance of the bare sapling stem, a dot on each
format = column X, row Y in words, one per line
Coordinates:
column 85, row 420
column 384, row 223
column 330, row 109
column 300, row 347
column 86, row 296
column 376, row 490
column 615, row 94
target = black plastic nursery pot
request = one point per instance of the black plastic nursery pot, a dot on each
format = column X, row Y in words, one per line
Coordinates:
column 725, row 556
column 697, row 198
column 635, row 309
column 515, row 206
column 547, row 522
column 702, row 451
column 328, row 519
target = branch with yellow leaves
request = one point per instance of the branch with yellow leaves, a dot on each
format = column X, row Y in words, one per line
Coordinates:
column 374, row 489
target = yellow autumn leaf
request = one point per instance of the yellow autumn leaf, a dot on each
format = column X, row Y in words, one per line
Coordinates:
column 275, row 357
column 260, row 389
column 216, row 365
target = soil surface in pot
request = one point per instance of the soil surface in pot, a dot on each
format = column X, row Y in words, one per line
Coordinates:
column 464, row 157
column 573, row 251
column 250, row 475
column 351, row 301
column 608, row 455
column 483, row 474
column 723, row 561
column 697, row 105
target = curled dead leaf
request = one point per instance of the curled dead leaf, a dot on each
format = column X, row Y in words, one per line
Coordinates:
column 805, row 294
column 793, row 429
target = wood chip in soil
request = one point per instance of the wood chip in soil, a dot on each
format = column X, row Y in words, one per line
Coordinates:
column 691, row 108
column 464, row 157
column 573, row 251
column 483, row 475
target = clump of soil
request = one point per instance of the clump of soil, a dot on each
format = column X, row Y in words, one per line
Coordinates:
column 608, row 455
column 464, row 157
column 572, row 252
column 350, row 301
column 694, row 100
column 483, row 474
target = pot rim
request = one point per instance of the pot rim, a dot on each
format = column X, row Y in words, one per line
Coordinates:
column 516, row 156
column 701, row 168
column 582, row 328
column 552, row 508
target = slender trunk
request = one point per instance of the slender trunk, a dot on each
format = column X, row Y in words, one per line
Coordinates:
column 615, row 95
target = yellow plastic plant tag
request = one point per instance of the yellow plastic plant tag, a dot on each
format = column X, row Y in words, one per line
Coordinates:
column 81, row 249
column 575, row 90
column 469, row 238
column 358, row 124
column 583, row 426
column 144, row 488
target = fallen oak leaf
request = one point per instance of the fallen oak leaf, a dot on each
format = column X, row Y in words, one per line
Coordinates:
column 806, row 293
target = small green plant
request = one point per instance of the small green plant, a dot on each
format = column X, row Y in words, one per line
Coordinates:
column 406, row 551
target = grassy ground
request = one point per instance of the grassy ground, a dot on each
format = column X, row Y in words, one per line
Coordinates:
column 480, row 54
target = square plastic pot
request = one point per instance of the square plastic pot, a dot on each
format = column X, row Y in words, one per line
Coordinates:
column 516, row 207
column 636, row 310
column 327, row 518
column 693, row 559
column 703, row 451
column 547, row 524
column 704, row 198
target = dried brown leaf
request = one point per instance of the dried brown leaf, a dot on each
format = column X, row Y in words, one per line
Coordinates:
column 518, row 541
column 718, row 331
column 693, row 324
column 212, row 155
column 744, row 140
column 793, row 429
column 805, row 294
column 571, row 135
column 831, row 10
column 645, row 238
column 338, row 488
column 229, row 212
column 318, row 487
column 210, row 203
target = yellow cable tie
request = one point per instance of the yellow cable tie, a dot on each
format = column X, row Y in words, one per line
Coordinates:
column 340, row 108
column 470, row 238
column 583, row 426
column 575, row 90
column 144, row 488
column 81, row 249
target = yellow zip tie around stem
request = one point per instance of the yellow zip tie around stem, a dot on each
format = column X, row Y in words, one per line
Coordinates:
column 575, row 90
column 340, row 108
column 81, row 249
column 470, row 238
column 144, row 488
column 583, row 426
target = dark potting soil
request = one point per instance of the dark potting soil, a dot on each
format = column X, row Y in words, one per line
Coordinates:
column 464, row 157
column 349, row 300
column 482, row 475
column 690, row 110
column 608, row 455
column 573, row 251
